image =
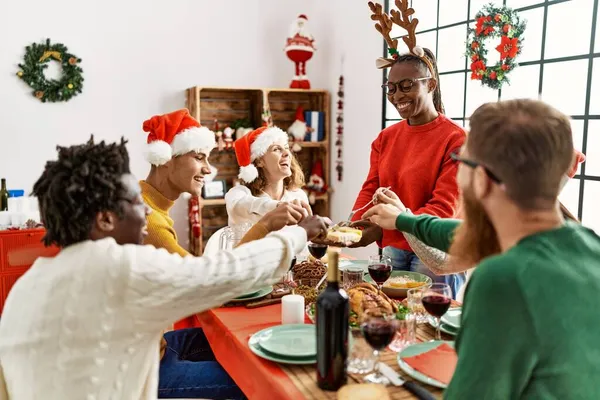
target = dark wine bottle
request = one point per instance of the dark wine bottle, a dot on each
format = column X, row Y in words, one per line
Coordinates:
column 3, row 196
column 332, row 314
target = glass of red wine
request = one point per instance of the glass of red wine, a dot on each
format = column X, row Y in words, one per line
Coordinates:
column 436, row 301
column 318, row 251
column 380, row 269
column 378, row 328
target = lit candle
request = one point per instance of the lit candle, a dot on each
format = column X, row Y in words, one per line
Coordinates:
column 292, row 309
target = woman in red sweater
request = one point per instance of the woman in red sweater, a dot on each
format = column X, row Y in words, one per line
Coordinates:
column 413, row 158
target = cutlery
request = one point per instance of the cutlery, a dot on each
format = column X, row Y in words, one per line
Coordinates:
column 263, row 303
column 349, row 220
column 412, row 387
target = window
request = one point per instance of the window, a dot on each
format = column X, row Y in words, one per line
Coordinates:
column 559, row 66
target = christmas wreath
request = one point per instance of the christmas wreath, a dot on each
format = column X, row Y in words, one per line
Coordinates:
column 495, row 22
column 37, row 57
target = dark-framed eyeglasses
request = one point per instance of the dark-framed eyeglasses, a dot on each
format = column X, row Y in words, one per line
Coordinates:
column 405, row 85
column 474, row 164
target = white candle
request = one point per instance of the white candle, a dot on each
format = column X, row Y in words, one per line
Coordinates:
column 292, row 309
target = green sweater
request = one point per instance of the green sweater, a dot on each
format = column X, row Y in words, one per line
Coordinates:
column 530, row 324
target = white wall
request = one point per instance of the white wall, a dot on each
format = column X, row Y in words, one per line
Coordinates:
column 140, row 56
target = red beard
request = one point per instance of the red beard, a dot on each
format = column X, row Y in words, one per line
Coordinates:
column 476, row 238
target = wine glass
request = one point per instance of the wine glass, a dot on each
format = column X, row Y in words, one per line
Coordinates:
column 378, row 328
column 380, row 269
column 436, row 301
column 317, row 250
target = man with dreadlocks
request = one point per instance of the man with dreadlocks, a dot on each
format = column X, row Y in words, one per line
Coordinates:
column 412, row 157
column 86, row 324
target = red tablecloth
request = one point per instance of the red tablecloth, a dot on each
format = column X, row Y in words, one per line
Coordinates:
column 228, row 330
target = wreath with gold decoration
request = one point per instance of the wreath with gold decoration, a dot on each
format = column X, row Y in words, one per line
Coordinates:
column 36, row 60
column 495, row 22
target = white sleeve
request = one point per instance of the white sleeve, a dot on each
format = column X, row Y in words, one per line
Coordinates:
column 241, row 204
column 164, row 288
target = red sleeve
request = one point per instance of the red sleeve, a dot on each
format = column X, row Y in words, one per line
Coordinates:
column 444, row 199
column 372, row 182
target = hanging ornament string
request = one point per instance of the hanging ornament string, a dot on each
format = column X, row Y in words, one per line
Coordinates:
column 339, row 128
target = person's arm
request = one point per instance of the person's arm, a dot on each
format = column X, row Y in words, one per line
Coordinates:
column 241, row 204
column 257, row 232
column 163, row 288
column 163, row 236
column 444, row 197
column 371, row 184
column 433, row 231
column 497, row 341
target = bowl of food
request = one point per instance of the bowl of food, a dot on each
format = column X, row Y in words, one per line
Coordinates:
column 400, row 281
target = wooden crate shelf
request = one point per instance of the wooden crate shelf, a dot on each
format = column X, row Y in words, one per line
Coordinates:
column 226, row 105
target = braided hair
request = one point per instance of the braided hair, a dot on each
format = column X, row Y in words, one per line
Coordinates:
column 437, row 94
column 83, row 181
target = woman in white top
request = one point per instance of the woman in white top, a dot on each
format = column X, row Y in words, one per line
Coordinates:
column 269, row 173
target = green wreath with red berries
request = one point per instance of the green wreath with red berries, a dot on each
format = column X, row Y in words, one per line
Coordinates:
column 495, row 22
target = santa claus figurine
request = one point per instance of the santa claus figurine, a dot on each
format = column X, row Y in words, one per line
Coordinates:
column 228, row 133
column 316, row 183
column 298, row 129
column 299, row 48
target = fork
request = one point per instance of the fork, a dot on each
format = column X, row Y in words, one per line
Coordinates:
column 349, row 220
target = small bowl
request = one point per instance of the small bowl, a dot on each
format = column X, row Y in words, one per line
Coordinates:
column 401, row 292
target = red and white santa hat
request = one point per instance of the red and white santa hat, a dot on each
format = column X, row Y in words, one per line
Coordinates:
column 175, row 134
column 255, row 145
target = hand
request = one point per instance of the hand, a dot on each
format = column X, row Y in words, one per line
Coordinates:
column 284, row 214
column 384, row 215
column 370, row 233
column 304, row 206
column 386, row 196
column 315, row 226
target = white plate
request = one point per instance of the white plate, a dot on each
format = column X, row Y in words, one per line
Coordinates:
column 414, row 350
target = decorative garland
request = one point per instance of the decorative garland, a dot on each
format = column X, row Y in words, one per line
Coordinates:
column 37, row 57
column 495, row 22
column 340, row 129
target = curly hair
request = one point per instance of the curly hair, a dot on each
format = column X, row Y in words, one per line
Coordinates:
column 437, row 94
column 83, row 181
column 292, row 182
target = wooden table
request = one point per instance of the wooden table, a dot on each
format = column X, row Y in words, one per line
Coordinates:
column 305, row 377
column 228, row 331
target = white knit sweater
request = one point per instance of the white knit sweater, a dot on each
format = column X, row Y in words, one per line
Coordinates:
column 243, row 207
column 86, row 324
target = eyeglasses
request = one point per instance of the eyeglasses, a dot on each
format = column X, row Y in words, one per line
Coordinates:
column 474, row 164
column 405, row 85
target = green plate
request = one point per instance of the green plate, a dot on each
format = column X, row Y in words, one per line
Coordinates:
column 452, row 317
column 400, row 292
column 254, row 344
column 293, row 340
column 443, row 327
column 261, row 293
column 414, row 350
column 249, row 294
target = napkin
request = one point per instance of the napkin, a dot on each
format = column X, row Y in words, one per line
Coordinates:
column 438, row 363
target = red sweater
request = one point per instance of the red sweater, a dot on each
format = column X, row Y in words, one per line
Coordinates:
column 415, row 161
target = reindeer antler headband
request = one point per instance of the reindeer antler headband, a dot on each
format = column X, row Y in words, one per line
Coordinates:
column 400, row 17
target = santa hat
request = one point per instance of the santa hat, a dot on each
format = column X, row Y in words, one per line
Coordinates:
column 302, row 16
column 255, row 145
column 317, row 169
column 175, row 134
column 579, row 158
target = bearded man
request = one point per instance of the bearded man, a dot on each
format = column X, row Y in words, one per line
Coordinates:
column 529, row 324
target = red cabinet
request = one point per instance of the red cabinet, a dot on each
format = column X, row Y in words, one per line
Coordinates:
column 18, row 250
